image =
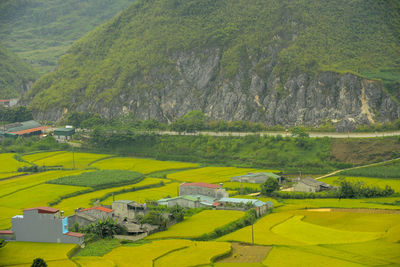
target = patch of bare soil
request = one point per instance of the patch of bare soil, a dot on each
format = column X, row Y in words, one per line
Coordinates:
column 365, row 150
column 247, row 253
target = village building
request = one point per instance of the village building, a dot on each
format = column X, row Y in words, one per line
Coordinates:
column 310, row 185
column 42, row 224
column 128, row 210
column 188, row 201
column 26, row 128
column 90, row 215
column 64, row 134
column 256, row 178
column 243, row 204
column 204, row 189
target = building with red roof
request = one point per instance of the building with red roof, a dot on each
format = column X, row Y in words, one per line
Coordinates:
column 90, row 215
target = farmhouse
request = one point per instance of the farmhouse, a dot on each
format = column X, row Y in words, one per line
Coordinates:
column 127, row 209
column 8, row 102
column 256, row 178
column 188, row 201
column 26, row 128
column 243, row 204
column 64, row 134
column 90, row 215
column 43, row 224
column 310, row 185
column 204, row 189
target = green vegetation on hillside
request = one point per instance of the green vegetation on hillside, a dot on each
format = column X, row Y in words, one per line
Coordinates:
column 15, row 74
column 390, row 170
column 293, row 37
column 41, row 31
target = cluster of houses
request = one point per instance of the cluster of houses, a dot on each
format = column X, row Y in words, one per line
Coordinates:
column 44, row 224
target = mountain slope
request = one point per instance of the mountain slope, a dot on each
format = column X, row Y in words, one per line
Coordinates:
column 40, row 31
column 275, row 61
column 16, row 76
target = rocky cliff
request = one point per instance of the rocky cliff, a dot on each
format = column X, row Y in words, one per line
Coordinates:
column 262, row 61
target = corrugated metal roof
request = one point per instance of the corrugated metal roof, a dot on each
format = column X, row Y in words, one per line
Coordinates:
column 123, row 201
column 259, row 174
column 41, row 128
column 98, row 208
column 74, row 234
column 312, row 182
column 213, row 186
column 43, row 209
column 255, row 202
column 20, row 126
column 6, row 232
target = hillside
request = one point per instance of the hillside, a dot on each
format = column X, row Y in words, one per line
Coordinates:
column 281, row 62
column 40, row 31
column 16, row 76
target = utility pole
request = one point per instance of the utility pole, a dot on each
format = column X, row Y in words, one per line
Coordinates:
column 252, row 233
column 73, row 157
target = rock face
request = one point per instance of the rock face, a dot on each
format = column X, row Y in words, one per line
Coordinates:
column 196, row 83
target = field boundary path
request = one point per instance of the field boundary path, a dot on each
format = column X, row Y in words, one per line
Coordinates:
column 312, row 134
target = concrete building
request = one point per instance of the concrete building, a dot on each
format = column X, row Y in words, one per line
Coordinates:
column 127, row 209
column 204, row 189
column 90, row 215
column 311, row 185
column 256, row 178
column 64, row 134
column 44, row 224
column 188, row 201
column 243, row 204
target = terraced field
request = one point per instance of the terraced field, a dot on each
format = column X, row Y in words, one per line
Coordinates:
column 199, row 224
column 144, row 166
column 41, row 155
column 379, row 182
column 211, row 174
column 9, row 164
column 67, row 159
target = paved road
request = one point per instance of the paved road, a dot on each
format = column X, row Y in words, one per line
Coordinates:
column 312, row 134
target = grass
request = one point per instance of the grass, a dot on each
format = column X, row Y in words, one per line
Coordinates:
column 145, row 166
column 9, row 164
column 294, row 228
column 211, row 174
column 379, row 182
column 24, row 252
column 390, row 170
column 104, row 178
column 141, row 196
column 86, row 200
column 82, row 160
column 99, row 248
column 198, row 224
column 198, row 253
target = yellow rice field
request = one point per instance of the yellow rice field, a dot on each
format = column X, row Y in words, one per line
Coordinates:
column 82, row 160
column 197, row 254
column 10, row 174
column 24, row 252
column 211, row 174
column 142, row 165
column 199, row 224
column 236, row 185
column 9, row 164
column 379, row 182
column 83, row 201
column 93, row 261
column 41, row 155
column 141, row 196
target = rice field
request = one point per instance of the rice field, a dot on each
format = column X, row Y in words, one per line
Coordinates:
column 41, row 155
column 24, row 252
column 197, row 254
column 86, row 200
column 93, row 261
column 238, row 185
column 9, row 164
column 82, row 160
column 10, row 174
column 211, row 174
column 141, row 196
column 199, row 224
column 142, row 165
column 379, row 182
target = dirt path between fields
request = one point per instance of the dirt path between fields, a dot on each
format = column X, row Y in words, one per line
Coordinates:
column 247, row 253
column 375, row 211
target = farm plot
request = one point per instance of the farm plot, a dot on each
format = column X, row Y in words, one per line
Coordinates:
column 198, row 253
column 294, row 228
column 25, row 252
column 104, row 178
column 210, row 174
column 93, row 261
column 199, row 224
column 152, row 194
column 13, row 185
column 86, row 200
column 5, row 216
column 9, row 164
column 145, row 166
column 286, row 256
column 41, row 155
column 379, row 182
column 145, row 254
column 237, row 185
column 82, row 160
column 10, row 175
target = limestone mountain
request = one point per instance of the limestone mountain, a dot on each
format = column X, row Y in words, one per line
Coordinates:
column 16, row 76
column 39, row 31
column 282, row 62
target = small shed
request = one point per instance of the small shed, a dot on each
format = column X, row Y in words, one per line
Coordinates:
column 256, row 178
column 311, row 185
column 64, row 134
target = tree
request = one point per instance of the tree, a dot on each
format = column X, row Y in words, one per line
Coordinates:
column 104, row 228
column 270, row 185
column 39, row 262
column 177, row 213
column 299, row 132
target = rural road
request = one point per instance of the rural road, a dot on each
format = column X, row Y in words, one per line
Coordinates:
column 312, row 134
